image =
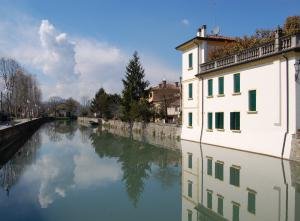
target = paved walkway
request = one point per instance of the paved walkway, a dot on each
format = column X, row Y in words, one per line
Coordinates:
column 17, row 121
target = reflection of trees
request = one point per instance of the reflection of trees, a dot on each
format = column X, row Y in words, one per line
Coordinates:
column 85, row 133
column 136, row 159
column 57, row 128
column 15, row 161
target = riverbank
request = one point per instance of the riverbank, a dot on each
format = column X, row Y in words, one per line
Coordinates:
column 12, row 133
column 165, row 135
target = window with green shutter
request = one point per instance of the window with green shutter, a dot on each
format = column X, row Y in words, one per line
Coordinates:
column 252, row 100
column 190, row 215
column 209, row 166
column 190, row 91
column 209, row 199
column 235, row 212
column 234, row 120
column 210, row 87
column 219, row 171
column 190, row 188
column 190, row 60
column 251, row 202
column 234, row 176
column 220, row 205
column 209, row 121
column 221, row 85
column 236, row 83
column 190, row 156
column 190, row 119
column 219, row 120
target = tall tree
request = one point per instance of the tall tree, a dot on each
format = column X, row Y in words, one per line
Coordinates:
column 100, row 104
column 135, row 90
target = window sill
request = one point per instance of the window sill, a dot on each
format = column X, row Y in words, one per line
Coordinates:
column 210, row 96
column 236, row 93
column 190, row 98
column 221, row 95
column 190, row 127
column 251, row 112
column 221, row 130
column 189, row 69
column 236, row 131
column 209, row 130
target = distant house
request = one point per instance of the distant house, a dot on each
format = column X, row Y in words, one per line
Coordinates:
column 165, row 99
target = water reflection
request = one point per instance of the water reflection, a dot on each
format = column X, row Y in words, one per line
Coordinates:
column 16, row 158
column 223, row 184
column 136, row 161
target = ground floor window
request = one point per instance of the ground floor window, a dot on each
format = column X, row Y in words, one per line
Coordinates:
column 234, row 120
column 209, row 199
column 220, row 204
column 190, row 215
column 190, row 119
column 209, row 166
column 235, row 211
column 251, row 201
column 190, row 188
column 209, row 121
column 219, row 170
column 219, row 120
column 234, row 176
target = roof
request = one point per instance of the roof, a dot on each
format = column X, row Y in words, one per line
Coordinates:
column 197, row 40
column 168, row 86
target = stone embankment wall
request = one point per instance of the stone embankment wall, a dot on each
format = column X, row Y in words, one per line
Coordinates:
column 11, row 134
column 295, row 151
column 165, row 135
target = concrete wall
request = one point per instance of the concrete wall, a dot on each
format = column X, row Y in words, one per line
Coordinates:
column 11, row 134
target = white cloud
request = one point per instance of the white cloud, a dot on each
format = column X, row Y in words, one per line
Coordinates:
column 185, row 22
column 69, row 65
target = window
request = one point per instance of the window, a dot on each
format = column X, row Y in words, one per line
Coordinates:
column 210, row 87
column 235, row 212
column 190, row 91
column 236, row 83
column 190, row 156
column 209, row 199
column 251, row 201
column 219, row 170
column 209, row 166
column 190, row 60
column 252, row 100
column 221, row 85
column 190, row 215
column 190, row 188
column 190, row 119
column 220, row 205
column 234, row 176
column 209, row 121
column 234, row 120
column 219, row 120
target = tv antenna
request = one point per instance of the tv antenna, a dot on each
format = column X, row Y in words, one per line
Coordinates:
column 216, row 30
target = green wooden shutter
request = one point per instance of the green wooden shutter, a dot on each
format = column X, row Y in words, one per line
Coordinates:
column 190, row 90
column 221, row 85
column 190, row 119
column 210, row 87
column 221, row 171
column 209, row 166
column 222, row 120
column 252, row 100
column 235, row 212
column 190, row 60
column 220, row 206
column 209, row 200
column 190, row 161
column 251, row 202
column 237, row 83
column 231, row 120
column 190, row 215
column 237, row 120
column 216, row 120
column 209, row 121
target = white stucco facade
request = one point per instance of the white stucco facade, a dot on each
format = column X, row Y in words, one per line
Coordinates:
column 263, row 130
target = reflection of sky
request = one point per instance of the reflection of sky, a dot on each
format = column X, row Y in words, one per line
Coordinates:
column 67, row 165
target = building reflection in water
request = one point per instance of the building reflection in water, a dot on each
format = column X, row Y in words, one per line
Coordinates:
column 224, row 184
column 15, row 158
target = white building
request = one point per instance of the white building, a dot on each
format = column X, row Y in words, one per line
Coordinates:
column 248, row 101
column 224, row 184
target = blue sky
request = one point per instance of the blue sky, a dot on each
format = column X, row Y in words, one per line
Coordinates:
column 153, row 28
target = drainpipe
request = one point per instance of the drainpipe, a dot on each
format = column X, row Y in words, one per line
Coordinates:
column 287, row 104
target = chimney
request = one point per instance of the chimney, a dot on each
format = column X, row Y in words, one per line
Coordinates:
column 202, row 31
column 164, row 82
